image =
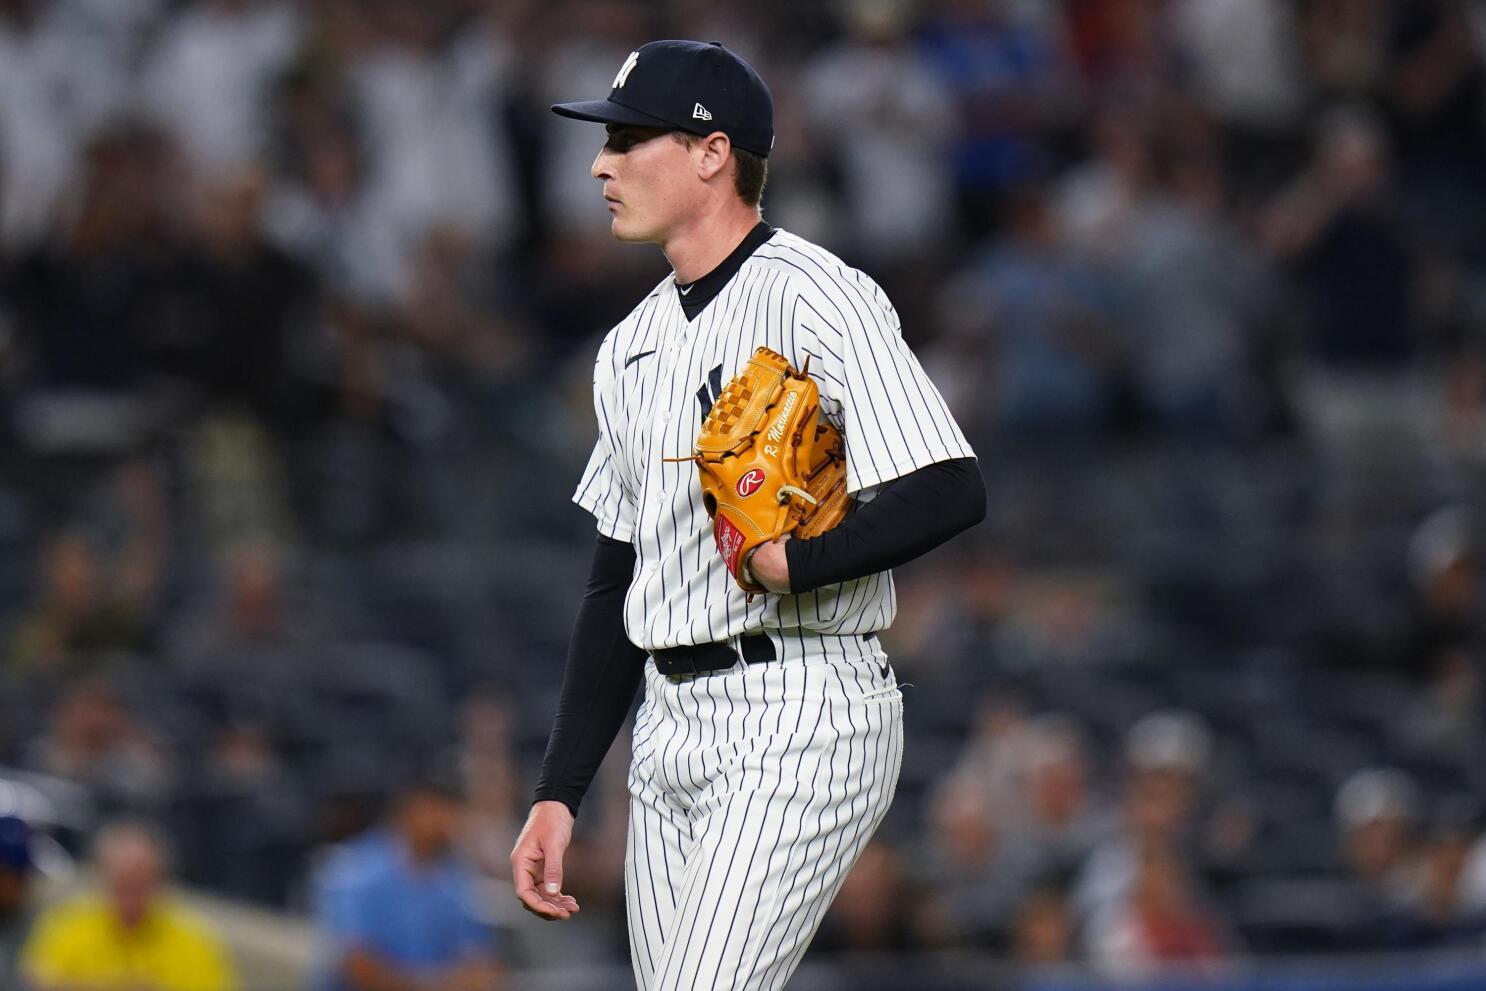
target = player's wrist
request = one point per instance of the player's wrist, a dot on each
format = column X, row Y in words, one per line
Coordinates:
column 745, row 571
column 549, row 804
column 775, row 574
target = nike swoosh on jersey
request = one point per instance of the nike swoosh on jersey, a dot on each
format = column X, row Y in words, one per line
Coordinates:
column 686, row 290
column 636, row 357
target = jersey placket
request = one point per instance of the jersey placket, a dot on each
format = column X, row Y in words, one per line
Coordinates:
column 666, row 396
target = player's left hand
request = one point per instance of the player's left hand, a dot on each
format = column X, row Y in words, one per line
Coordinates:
column 770, row 566
column 536, row 861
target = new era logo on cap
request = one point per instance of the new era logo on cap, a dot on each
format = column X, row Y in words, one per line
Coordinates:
column 654, row 83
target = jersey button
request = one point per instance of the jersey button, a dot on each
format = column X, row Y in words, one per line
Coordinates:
column 665, row 418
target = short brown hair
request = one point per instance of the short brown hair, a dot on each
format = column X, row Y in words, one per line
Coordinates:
column 750, row 173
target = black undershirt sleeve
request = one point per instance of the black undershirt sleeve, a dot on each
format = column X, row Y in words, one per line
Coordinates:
column 908, row 517
column 599, row 682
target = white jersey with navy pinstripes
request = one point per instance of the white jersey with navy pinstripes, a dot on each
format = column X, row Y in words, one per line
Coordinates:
column 654, row 379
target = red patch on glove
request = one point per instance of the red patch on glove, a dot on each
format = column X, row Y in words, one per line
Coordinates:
column 729, row 542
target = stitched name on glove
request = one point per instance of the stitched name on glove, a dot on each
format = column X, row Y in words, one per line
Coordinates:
column 776, row 432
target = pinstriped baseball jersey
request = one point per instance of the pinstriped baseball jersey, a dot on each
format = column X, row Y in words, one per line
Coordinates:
column 655, row 377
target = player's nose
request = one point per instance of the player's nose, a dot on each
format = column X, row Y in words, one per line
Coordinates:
column 602, row 165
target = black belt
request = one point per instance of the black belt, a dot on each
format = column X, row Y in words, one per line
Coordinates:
column 704, row 657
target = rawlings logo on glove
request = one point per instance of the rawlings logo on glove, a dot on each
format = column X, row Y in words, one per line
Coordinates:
column 769, row 464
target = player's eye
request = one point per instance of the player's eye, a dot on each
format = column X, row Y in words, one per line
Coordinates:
column 623, row 139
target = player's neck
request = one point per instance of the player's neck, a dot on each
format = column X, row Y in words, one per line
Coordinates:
column 705, row 243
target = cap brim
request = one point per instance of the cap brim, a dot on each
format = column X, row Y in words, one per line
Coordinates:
column 608, row 112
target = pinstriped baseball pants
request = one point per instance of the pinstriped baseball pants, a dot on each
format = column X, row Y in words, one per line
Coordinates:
column 752, row 793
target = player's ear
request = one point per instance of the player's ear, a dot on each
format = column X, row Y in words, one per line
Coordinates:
column 716, row 149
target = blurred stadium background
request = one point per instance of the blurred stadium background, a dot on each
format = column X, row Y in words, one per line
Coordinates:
column 298, row 303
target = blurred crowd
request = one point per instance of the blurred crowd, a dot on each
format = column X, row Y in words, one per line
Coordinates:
column 298, row 303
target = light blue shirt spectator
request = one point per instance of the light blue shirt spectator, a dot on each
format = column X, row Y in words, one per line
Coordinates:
column 370, row 895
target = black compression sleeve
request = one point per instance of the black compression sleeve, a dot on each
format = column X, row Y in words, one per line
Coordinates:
column 908, row 517
column 603, row 671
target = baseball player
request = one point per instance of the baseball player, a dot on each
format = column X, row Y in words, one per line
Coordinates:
column 770, row 736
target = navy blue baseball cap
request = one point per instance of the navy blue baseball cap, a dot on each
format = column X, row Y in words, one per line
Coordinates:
column 15, row 844
column 686, row 86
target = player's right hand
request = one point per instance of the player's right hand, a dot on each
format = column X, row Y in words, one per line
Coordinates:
column 536, row 861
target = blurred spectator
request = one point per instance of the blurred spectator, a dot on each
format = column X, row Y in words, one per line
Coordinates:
column 1161, row 923
column 1444, row 717
column 1055, row 820
column 1008, row 86
column 1200, row 301
column 321, row 210
column 244, row 817
column 1015, row 814
column 884, row 119
column 1439, row 912
column 1243, row 60
column 97, row 595
column 1246, row 61
column 1042, row 931
column 101, row 305
column 1344, row 44
column 78, row 615
column 1338, row 228
column 432, row 115
column 1099, row 201
column 95, row 740
column 457, row 312
column 61, row 80
column 248, row 609
column 209, row 75
column 1188, row 295
column 1444, row 587
column 1435, row 95
column 1118, row 42
column 1376, row 812
column 1030, row 325
column 254, row 308
column 988, row 764
column 130, row 935
column 1166, row 757
column 17, row 912
column 400, row 906
column 1472, row 883
column 968, row 899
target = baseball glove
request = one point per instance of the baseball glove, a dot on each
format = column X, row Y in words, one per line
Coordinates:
column 769, row 464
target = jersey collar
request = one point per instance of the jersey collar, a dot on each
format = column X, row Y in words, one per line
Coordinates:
column 695, row 296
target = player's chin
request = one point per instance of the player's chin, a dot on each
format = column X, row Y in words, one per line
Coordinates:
column 625, row 229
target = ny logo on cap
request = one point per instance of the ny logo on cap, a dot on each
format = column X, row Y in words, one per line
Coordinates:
column 624, row 70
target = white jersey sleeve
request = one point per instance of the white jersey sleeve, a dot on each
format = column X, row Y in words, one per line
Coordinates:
column 873, row 388
column 604, row 490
